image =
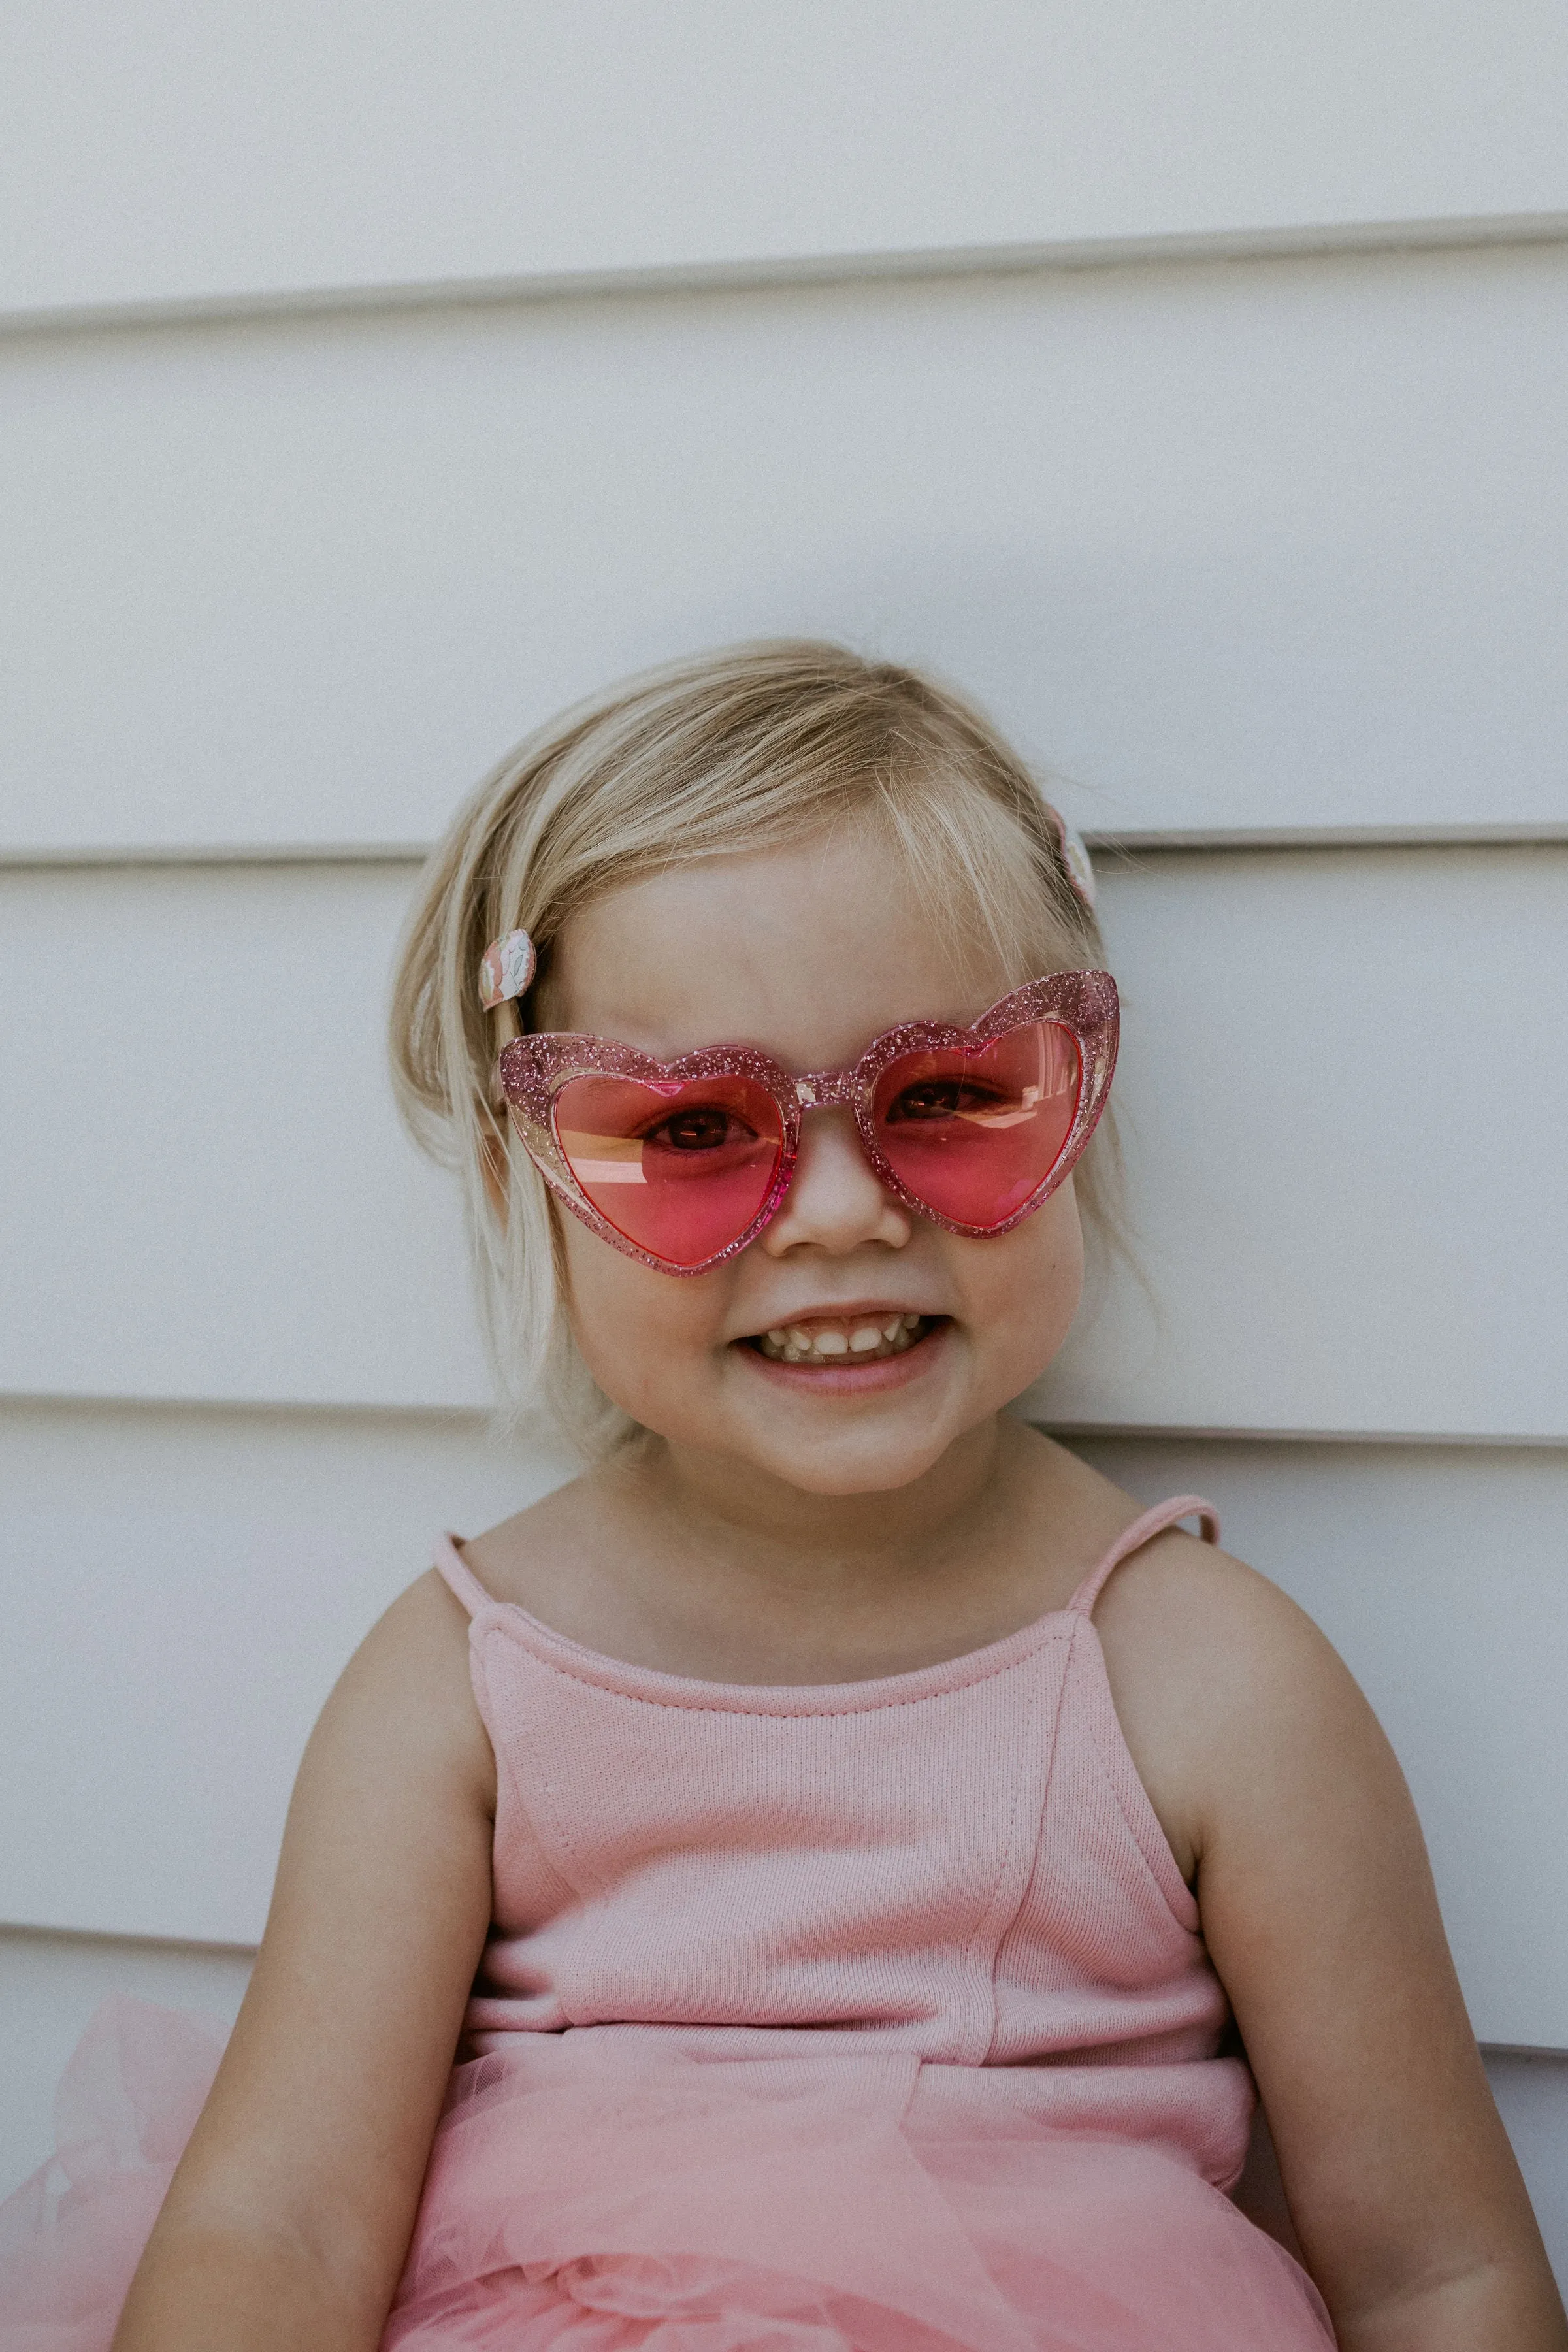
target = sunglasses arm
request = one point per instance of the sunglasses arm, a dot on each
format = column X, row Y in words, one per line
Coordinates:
column 505, row 1026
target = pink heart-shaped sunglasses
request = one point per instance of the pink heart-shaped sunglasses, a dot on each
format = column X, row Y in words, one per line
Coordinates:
column 683, row 1164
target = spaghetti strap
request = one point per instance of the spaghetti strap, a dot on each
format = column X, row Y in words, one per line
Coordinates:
column 1133, row 1538
column 454, row 1570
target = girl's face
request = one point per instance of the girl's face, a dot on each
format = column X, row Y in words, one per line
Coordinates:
column 809, row 952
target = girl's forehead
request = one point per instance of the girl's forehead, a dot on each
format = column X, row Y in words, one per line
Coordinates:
column 808, row 950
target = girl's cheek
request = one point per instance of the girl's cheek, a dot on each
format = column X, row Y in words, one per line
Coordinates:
column 636, row 1330
column 1032, row 1284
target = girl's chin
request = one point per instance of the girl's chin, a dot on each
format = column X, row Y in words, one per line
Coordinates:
column 846, row 1379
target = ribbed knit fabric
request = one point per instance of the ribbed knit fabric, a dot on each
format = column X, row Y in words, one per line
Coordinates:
column 958, row 1863
column 870, row 2013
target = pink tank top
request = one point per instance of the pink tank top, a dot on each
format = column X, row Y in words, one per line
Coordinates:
column 957, row 1866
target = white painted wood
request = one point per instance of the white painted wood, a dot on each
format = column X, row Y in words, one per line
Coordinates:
column 1345, row 1137
column 1334, row 1073
column 181, row 1588
column 1276, row 545
column 203, row 1150
column 149, row 156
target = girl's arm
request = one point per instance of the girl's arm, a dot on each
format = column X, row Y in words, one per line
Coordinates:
column 289, row 2215
column 1319, row 1913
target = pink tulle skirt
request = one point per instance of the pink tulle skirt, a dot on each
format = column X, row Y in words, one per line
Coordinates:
column 71, row 2236
column 608, row 2196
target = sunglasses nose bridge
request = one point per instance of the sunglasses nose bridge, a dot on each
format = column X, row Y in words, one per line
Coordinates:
column 825, row 1090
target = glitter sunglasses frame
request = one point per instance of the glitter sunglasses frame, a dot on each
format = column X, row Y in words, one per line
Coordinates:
column 533, row 1069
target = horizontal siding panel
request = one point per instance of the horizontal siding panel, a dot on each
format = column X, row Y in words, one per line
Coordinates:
column 1332, row 1078
column 184, row 1587
column 183, row 1591
column 219, row 1200
column 151, row 157
column 1345, row 1137
column 1231, row 548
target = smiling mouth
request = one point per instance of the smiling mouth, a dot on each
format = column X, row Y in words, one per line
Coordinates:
column 856, row 1339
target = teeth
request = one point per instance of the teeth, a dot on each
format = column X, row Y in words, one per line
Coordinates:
column 793, row 1344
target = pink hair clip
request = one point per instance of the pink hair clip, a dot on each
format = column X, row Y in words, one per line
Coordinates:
column 506, row 968
column 1075, row 856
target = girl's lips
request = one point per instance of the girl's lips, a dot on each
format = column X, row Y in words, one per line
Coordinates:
column 847, row 1376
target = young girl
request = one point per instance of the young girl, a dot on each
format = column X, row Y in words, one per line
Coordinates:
column 835, row 1833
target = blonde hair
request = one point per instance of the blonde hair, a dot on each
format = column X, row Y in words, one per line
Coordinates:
column 738, row 751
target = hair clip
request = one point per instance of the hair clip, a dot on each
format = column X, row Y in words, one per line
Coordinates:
column 506, row 969
column 1075, row 856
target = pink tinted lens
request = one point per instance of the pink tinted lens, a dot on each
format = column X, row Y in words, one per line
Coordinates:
column 974, row 1133
column 680, row 1167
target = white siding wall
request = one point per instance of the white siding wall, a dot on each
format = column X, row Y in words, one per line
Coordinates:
column 154, row 156
column 326, row 471
column 1239, row 546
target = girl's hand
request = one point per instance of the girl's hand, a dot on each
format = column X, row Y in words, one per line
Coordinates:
column 289, row 2216
column 1269, row 1767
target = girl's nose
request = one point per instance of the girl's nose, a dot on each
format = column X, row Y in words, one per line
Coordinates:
column 836, row 1200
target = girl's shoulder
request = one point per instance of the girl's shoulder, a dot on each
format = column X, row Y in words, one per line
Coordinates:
column 407, row 1688
column 522, row 1558
column 1229, row 1697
